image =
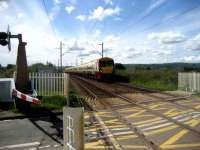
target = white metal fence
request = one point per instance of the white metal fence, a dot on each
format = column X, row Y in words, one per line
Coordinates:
column 189, row 81
column 48, row 84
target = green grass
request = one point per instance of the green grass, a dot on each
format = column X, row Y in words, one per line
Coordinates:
column 162, row 79
column 58, row 102
column 53, row 102
column 74, row 99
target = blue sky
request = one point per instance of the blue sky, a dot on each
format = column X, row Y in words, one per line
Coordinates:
column 133, row 31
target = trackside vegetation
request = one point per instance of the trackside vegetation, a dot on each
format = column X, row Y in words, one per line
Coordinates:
column 155, row 76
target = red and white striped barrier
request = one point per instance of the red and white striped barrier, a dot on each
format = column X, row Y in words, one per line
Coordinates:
column 25, row 97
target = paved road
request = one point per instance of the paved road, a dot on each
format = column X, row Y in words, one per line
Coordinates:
column 29, row 134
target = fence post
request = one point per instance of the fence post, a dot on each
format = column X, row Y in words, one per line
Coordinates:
column 66, row 87
column 47, row 84
column 73, row 128
column 179, row 79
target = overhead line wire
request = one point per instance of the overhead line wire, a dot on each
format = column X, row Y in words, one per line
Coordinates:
column 139, row 20
column 178, row 15
column 49, row 20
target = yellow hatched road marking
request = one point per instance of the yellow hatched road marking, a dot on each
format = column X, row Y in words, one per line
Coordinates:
column 174, row 112
column 156, row 105
column 103, row 113
column 126, row 137
column 162, row 108
column 147, row 121
column 193, row 122
column 138, row 114
column 92, row 129
column 134, row 147
column 112, row 121
column 117, row 126
column 197, row 107
column 161, row 130
column 132, row 109
column 180, row 134
column 175, row 138
column 180, row 146
column 94, row 144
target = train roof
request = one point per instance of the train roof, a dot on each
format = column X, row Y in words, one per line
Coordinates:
column 104, row 58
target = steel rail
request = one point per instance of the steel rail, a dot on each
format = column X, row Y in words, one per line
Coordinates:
column 196, row 132
column 147, row 90
column 158, row 98
column 111, row 138
column 150, row 144
column 171, row 100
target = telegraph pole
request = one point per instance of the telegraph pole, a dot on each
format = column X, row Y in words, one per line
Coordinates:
column 61, row 54
column 101, row 49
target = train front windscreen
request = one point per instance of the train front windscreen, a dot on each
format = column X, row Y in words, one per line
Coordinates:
column 106, row 63
column 106, row 67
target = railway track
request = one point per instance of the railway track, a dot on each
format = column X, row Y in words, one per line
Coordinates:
column 178, row 121
column 96, row 93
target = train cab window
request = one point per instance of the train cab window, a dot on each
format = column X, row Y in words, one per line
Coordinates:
column 106, row 63
column 109, row 63
column 102, row 64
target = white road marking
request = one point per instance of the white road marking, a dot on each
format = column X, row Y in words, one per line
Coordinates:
column 166, row 124
column 158, row 126
column 184, row 118
column 34, row 148
column 44, row 146
column 118, row 129
column 150, row 124
column 20, row 145
column 56, row 145
column 123, row 133
column 6, row 120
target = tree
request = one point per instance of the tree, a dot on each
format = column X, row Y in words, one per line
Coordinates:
column 10, row 66
column 120, row 66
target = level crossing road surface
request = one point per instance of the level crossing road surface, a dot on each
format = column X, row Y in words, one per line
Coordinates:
column 30, row 134
column 145, row 120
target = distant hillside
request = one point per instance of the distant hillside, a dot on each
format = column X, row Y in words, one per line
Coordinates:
column 174, row 66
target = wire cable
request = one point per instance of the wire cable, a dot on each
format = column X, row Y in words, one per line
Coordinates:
column 49, row 20
column 170, row 19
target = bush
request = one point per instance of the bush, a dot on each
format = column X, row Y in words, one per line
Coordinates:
column 161, row 79
column 53, row 102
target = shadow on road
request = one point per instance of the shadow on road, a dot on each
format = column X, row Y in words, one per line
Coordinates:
column 43, row 114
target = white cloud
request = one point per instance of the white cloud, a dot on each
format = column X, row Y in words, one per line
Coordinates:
column 118, row 19
column 54, row 12
column 81, row 17
column 167, row 37
column 75, row 47
column 194, row 43
column 154, row 6
column 111, row 38
column 100, row 13
column 108, row 2
column 20, row 15
column 73, row 1
column 40, row 42
column 189, row 58
column 69, row 9
column 132, row 52
column 57, row 1
column 97, row 33
column 3, row 5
